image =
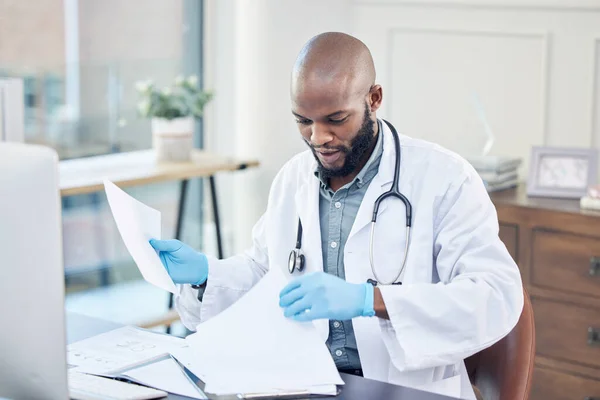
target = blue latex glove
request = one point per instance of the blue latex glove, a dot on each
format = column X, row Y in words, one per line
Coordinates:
column 320, row 295
column 184, row 264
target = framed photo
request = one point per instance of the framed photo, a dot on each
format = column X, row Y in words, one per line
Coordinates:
column 561, row 172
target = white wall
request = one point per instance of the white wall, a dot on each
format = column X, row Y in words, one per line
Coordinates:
column 534, row 64
column 250, row 49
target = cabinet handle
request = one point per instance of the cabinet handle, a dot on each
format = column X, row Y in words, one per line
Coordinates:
column 594, row 266
column 593, row 337
column 592, row 398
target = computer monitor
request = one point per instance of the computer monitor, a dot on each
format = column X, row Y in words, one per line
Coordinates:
column 32, row 338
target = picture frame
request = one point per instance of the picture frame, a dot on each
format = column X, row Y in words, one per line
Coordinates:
column 561, row 172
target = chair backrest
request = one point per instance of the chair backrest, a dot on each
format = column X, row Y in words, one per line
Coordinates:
column 504, row 370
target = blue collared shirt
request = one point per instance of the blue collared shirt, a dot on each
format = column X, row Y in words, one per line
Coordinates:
column 337, row 211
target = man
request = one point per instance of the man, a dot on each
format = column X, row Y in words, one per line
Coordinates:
column 460, row 290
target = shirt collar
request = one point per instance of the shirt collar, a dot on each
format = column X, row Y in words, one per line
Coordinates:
column 369, row 170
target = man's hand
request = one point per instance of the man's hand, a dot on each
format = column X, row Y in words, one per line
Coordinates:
column 184, row 264
column 320, row 295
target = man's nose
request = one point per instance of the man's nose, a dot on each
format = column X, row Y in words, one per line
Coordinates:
column 320, row 134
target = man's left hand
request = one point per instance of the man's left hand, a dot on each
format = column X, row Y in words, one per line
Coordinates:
column 320, row 295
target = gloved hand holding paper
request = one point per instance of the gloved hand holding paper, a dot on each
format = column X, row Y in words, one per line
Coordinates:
column 252, row 347
column 137, row 224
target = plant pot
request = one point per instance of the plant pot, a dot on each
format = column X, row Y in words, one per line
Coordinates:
column 173, row 139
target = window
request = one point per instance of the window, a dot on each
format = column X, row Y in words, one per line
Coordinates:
column 79, row 61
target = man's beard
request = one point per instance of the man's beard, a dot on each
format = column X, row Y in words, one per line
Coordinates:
column 360, row 144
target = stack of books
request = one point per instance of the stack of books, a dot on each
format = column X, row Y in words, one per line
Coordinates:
column 497, row 172
column 591, row 201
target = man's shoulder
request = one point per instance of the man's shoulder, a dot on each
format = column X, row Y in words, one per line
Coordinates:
column 420, row 151
column 302, row 164
column 294, row 172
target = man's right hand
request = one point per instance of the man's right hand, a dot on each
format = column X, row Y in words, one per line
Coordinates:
column 184, row 264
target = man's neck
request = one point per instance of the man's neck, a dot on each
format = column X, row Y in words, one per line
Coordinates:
column 336, row 183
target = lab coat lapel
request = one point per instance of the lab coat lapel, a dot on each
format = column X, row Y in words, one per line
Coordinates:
column 373, row 353
column 380, row 183
column 307, row 204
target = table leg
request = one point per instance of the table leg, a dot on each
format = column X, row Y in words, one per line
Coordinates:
column 215, row 204
column 178, row 227
column 101, row 244
column 180, row 209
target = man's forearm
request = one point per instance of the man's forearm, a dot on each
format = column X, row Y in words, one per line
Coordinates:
column 379, row 305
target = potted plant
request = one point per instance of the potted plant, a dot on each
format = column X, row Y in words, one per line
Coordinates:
column 173, row 111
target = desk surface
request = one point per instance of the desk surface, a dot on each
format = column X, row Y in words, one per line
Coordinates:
column 517, row 197
column 80, row 327
column 86, row 175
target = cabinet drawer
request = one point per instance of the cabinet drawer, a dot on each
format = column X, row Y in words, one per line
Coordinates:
column 566, row 262
column 553, row 385
column 562, row 331
column 508, row 235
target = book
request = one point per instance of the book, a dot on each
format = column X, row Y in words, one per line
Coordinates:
column 589, row 203
column 496, row 164
column 494, row 187
column 492, row 177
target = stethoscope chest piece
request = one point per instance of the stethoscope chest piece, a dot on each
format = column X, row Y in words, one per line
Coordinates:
column 296, row 261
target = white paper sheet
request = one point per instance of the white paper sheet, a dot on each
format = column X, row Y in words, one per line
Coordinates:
column 165, row 375
column 120, row 348
column 252, row 347
column 137, row 224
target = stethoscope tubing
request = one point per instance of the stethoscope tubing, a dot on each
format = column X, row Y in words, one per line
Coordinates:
column 393, row 192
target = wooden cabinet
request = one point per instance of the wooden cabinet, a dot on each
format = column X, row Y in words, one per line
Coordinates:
column 550, row 384
column 557, row 248
column 558, row 258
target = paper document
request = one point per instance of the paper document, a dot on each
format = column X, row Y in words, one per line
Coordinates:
column 252, row 347
column 137, row 224
column 120, row 348
column 164, row 375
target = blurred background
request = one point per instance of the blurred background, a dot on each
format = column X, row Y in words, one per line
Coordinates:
column 531, row 68
column 79, row 62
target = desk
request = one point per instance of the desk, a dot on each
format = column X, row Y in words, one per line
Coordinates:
column 80, row 327
column 86, row 175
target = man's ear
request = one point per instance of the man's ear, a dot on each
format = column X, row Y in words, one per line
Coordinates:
column 375, row 97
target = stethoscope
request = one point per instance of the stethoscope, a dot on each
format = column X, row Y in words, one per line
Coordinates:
column 296, row 261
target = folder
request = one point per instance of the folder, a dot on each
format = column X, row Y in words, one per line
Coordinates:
column 301, row 394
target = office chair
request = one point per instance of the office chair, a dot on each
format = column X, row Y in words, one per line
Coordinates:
column 504, row 370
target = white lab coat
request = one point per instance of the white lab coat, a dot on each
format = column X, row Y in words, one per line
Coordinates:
column 461, row 290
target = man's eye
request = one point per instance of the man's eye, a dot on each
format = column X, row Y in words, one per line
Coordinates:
column 338, row 121
column 303, row 121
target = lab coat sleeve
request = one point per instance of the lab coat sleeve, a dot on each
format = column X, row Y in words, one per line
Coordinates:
column 228, row 280
column 479, row 298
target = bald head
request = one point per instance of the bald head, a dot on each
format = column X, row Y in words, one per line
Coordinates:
column 335, row 99
column 334, row 58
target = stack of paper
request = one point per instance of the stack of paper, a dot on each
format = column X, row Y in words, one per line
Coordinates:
column 497, row 172
column 120, row 349
column 252, row 348
column 164, row 375
column 134, row 353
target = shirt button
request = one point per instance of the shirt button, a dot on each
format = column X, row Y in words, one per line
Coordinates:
column 339, row 353
column 336, row 324
column 333, row 245
column 337, row 204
